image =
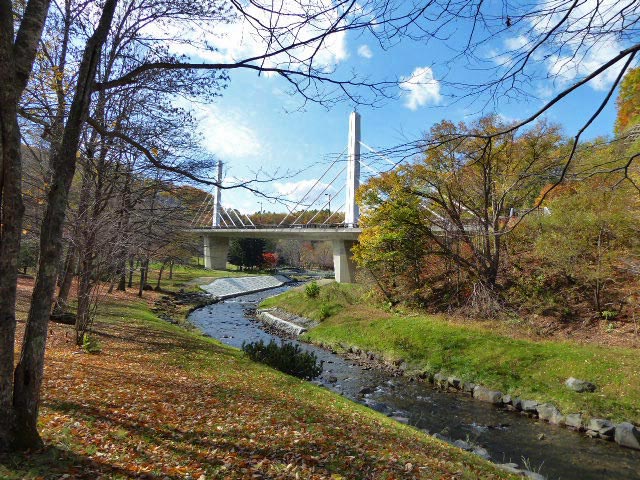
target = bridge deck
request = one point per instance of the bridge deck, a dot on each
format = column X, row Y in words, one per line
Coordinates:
column 320, row 233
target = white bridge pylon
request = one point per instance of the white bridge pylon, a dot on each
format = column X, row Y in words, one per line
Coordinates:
column 227, row 223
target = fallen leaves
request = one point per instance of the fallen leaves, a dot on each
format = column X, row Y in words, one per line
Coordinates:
column 162, row 403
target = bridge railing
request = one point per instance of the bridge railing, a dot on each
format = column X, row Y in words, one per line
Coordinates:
column 288, row 226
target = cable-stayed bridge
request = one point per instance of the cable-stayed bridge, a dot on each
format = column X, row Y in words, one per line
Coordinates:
column 224, row 224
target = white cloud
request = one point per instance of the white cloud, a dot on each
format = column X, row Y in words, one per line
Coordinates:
column 582, row 54
column 573, row 51
column 569, row 68
column 305, row 191
column 239, row 39
column 364, row 51
column 515, row 43
column 227, row 133
column 420, row 88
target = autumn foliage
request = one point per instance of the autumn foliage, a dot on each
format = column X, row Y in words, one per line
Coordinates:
column 161, row 403
column 628, row 101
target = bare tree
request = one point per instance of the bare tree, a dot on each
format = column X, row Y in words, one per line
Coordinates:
column 20, row 389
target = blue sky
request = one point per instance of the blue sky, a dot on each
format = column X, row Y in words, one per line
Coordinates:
column 255, row 125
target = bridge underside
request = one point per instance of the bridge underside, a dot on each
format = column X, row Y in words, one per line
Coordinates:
column 216, row 244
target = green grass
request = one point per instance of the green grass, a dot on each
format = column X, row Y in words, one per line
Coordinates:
column 185, row 276
column 532, row 370
column 162, row 402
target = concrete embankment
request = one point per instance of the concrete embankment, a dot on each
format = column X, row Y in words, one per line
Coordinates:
column 229, row 287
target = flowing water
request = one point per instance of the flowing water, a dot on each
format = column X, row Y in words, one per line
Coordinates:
column 507, row 436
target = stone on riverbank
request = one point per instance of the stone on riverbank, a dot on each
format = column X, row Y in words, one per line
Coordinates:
column 468, row 387
column 485, row 395
column 529, row 406
column 510, row 467
column 481, row 452
column 454, row 382
column 280, row 324
column 627, row 435
column 573, row 420
column 513, row 468
column 462, row 444
column 533, row 475
column 603, row 428
column 549, row 413
column 580, row 386
column 440, row 380
column 404, row 420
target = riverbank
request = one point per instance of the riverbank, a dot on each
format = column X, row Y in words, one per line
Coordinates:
column 426, row 344
column 162, row 402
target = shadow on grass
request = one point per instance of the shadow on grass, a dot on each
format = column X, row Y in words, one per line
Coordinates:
column 156, row 340
column 190, row 444
column 54, row 463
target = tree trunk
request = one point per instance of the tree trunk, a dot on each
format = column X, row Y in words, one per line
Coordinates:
column 171, row 270
column 11, row 214
column 122, row 282
column 17, row 54
column 84, row 299
column 28, row 373
column 144, row 269
column 160, row 276
column 67, row 280
column 131, row 269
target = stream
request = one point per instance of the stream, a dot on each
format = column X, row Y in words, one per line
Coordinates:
column 555, row 452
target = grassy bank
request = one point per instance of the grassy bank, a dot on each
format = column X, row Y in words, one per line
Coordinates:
column 160, row 402
column 531, row 369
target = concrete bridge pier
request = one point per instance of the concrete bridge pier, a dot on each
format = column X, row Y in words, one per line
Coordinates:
column 216, row 250
column 343, row 266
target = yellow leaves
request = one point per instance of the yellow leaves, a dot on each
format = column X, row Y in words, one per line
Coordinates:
column 154, row 151
column 139, row 409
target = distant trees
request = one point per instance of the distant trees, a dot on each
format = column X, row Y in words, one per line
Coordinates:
column 247, row 252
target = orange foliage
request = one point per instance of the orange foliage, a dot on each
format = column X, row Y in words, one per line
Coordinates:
column 628, row 101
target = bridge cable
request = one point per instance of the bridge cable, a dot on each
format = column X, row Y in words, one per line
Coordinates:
column 320, row 194
column 373, row 150
column 322, row 208
column 197, row 215
column 203, row 214
column 238, row 217
column 375, row 172
column 229, row 216
column 331, row 216
column 223, row 220
column 229, row 211
column 249, row 218
column 314, row 185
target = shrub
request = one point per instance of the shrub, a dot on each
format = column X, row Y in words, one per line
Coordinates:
column 286, row 357
column 312, row 290
column 325, row 311
column 90, row 344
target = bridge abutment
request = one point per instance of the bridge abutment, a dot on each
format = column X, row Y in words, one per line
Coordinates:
column 216, row 250
column 343, row 266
